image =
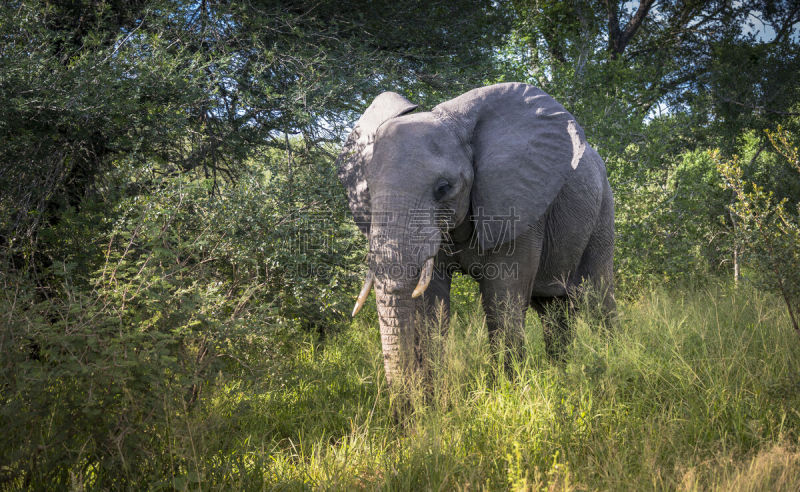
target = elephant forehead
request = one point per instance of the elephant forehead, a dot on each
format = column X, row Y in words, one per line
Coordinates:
column 415, row 137
column 416, row 130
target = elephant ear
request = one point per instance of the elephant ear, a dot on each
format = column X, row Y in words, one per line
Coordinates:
column 354, row 160
column 524, row 145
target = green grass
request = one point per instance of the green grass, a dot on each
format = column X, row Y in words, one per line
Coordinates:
column 693, row 390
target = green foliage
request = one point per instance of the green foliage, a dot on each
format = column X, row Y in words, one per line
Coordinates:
column 767, row 228
column 82, row 86
column 673, row 227
column 199, row 88
column 691, row 77
column 151, row 298
column 296, row 225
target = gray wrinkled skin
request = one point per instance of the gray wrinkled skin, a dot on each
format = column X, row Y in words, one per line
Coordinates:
column 498, row 183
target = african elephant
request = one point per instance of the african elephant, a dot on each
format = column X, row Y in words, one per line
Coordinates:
column 498, row 183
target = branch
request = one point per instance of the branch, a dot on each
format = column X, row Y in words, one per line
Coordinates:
column 636, row 21
column 790, row 21
column 758, row 108
column 552, row 46
column 618, row 39
column 613, row 28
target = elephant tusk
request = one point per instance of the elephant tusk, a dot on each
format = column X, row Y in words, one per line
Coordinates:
column 362, row 296
column 424, row 278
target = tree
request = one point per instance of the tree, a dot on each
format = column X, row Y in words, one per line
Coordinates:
column 199, row 87
column 768, row 228
column 658, row 85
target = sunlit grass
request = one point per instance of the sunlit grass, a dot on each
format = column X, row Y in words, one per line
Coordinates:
column 690, row 390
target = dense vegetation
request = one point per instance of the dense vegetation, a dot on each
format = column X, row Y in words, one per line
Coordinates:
column 178, row 262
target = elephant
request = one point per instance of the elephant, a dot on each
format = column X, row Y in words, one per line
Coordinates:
column 498, row 183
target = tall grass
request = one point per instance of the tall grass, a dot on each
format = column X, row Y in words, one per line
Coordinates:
column 692, row 389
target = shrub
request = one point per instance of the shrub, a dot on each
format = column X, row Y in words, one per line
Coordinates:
column 767, row 228
column 146, row 299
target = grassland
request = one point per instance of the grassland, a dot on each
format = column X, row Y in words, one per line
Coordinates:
column 694, row 389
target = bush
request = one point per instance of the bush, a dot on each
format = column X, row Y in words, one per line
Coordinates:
column 768, row 229
column 146, row 299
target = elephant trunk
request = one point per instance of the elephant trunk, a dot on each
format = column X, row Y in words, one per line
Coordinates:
column 397, row 317
column 401, row 259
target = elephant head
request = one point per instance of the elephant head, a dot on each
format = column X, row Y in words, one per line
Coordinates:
column 410, row 177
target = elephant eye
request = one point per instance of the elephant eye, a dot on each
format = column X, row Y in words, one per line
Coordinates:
column 441, row 189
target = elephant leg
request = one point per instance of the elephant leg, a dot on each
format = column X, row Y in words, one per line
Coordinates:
column 555, row 313
column 506, row 286
column 437, row 295
column 596, row 266
column 434, row 317
column 505, row 318
column 595, row 270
